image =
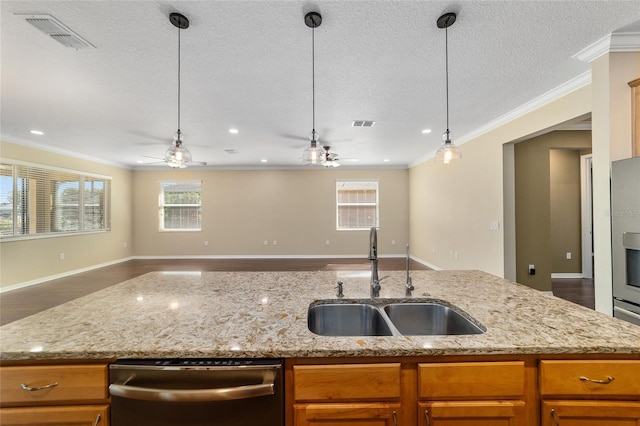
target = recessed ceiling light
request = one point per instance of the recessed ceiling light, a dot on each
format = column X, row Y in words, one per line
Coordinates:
column 386, row 160
column 37, row 132
column 264, row 160
column 234, row 131
column 426, row 131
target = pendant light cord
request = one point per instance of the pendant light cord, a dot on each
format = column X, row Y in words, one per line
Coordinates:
column 313, row 84
column 446, row 54
column 178, row 84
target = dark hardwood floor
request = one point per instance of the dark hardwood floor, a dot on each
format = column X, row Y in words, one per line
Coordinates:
column 578, row 290
column 23, row 302
column 27, row 301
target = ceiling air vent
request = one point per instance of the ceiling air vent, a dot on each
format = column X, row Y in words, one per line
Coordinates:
column 57, row 31
column 362, row 123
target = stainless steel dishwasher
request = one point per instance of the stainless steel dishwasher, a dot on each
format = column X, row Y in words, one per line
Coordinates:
column 190, row 392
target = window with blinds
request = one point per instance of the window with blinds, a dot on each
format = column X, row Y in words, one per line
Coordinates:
column 180, row 206
column 356, row 204
column 37, row 200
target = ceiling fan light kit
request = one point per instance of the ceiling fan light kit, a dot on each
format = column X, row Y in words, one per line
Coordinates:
column 447, row 151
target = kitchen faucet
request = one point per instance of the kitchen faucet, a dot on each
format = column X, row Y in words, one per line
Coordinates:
column 373, row 257
column 409, row 283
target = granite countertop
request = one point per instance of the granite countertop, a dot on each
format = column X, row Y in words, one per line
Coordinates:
column 264, row 314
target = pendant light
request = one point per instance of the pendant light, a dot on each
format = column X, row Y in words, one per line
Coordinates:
column 178, row 156
column 448, row 151
column 314, row 153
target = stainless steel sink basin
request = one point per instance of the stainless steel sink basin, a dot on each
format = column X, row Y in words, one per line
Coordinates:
column 387, row 317
column 420, row 319
column 347, row 320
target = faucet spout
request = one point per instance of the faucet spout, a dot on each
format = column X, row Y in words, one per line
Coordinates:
column 373, row 257
column 373, row 243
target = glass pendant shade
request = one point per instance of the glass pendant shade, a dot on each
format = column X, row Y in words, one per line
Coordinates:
column 313, row 154
column 177, row 156
column 448, row 151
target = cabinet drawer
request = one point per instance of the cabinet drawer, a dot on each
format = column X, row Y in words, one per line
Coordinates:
column 74, row 383
column 347, row 382
column 481, row 380
column 89, row 415
column 590, row 378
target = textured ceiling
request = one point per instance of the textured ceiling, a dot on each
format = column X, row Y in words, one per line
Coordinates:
column 247, row 65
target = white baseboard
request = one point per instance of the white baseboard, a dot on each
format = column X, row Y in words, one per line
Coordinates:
column 573, row 275
column 272, row 256
column 62, row 275
column 427, row 264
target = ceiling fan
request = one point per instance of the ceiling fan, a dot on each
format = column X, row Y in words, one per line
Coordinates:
column 330, row 158
column 177, row 156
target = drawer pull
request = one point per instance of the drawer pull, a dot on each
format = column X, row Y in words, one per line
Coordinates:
column 426, row 417
column 556, row 421
column 37, row 388
column 395, row 419
column 606, row 381
column 98, row 418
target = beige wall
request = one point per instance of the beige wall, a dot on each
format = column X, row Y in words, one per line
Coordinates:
column 451, row 207
column 539, row 203
column 295, row 208
column 566, row 208
column 611, row 141
column 31, row 260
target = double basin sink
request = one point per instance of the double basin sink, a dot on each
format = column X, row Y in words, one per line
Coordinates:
column 389, row 317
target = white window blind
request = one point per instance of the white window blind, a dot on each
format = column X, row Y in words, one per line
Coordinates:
column 37, row 200
column 180, row 205
column 356, row 204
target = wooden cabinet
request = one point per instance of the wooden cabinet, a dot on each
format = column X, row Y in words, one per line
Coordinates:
column 54, row 395
column 590, row 392
column 350, row 394
column 472, row 393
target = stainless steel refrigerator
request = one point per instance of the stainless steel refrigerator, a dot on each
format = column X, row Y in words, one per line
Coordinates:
column 625, row 238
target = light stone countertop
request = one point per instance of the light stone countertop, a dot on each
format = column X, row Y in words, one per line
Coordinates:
column 264, row 314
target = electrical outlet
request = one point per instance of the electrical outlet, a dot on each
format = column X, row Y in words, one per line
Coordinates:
column 206, row 243
column 266, row 243
column 568, row 255
column 455, row 254
column 275, row 243
column 393, row 242
column 532, row 269
column 494, row 225
column 61, row 256
column 124, row 244
column 327, row 242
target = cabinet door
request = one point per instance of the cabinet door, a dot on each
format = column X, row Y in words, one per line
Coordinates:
column 79, row 415
column 374, row 414
column 471, row 413
column 590, row 413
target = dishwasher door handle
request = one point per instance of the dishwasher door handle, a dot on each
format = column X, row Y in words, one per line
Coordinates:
column 192, row 395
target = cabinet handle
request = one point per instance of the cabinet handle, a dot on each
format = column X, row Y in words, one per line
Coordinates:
column 395, row 419
column 37, row 388
column 555, row 417
column 606, row 381
column 98, row 418
column 426, row 417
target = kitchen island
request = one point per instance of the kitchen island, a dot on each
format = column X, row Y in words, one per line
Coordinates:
column 264, row 314
column 514, row 371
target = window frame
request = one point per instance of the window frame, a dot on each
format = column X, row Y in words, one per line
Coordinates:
column 44, row 219
column 162, row 206
column 339, row 204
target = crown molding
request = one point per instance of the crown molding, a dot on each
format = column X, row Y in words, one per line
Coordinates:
column 615, row 42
